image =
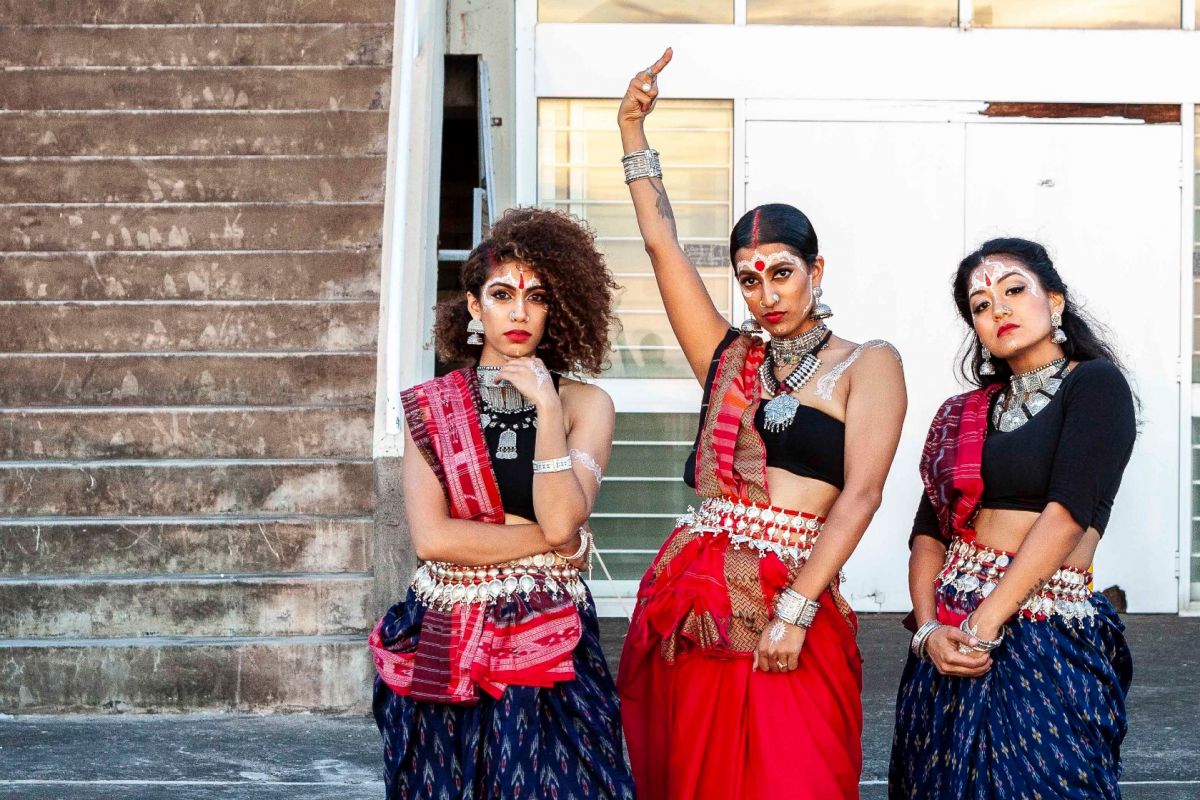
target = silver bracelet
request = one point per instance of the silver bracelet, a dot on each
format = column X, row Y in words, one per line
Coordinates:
column 985, row 645
column 917, row 646
column 552, row 464
column 641, row 164
column 796, row 609
column 585, row 541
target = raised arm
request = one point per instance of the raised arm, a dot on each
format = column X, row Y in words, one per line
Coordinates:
column 439, row 537
column 694, row 318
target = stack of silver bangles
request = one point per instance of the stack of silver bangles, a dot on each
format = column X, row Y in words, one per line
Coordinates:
column 641, row 164
column 917, row 646
column 441, row 585
column 796, row 609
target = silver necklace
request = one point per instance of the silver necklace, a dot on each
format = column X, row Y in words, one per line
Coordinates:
column 1027, row 394
column 788, row 352
column 781, row 409
column 501, row 402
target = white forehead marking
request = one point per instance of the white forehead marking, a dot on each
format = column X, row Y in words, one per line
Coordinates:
column 985, row 277
column 513, row 278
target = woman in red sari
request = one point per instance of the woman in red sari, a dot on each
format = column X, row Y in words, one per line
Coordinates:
column 741, row 676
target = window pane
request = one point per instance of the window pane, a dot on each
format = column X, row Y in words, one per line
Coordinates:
column 719, row 11
column 1075, row 14
column 579, row 171
column 936, row 13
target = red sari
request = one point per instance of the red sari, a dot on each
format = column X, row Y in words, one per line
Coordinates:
column 699, row 720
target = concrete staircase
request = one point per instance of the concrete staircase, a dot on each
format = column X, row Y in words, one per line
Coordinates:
column 191, row 202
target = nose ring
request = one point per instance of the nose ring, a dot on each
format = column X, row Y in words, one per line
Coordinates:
column 512, row 316
column 775, row 297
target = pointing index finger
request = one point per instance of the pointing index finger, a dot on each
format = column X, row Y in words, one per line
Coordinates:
column 663, row 60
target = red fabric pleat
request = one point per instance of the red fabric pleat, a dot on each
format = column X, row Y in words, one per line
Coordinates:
column 708, row 726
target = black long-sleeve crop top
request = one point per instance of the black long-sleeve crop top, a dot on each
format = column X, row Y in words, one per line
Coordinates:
column 1072, row 452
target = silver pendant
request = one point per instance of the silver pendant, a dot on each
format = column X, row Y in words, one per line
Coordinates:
column 779, row 412
column 507, row 448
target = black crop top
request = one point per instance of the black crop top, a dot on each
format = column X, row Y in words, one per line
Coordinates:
column 1072, row 452
column 514, row 476
column 813, row 446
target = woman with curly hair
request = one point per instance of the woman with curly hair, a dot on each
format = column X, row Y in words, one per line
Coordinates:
column 490, row 680
column 1016, row 682
column 741, row 676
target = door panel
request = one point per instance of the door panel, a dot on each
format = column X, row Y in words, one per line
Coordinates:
column 897, row 204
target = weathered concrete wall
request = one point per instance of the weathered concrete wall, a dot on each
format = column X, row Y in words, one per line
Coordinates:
column 191, row 208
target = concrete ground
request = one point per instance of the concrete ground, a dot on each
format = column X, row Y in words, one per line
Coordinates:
column 307, row 757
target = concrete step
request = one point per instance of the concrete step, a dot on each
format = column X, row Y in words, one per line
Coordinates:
column 187, row 379
column 178, row 548
column 203, row 133
column 196, row 45
column 327, row 673
column 54, row 608
column 306, row 326
column 160, row 12
column 248, row 88
column 247, row 275
column 87, row 228
column 187, row 433
column 223, row 180
column 85, row 489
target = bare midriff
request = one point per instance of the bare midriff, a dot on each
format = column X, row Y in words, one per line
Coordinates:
column 1006, row 529
column 803, row 494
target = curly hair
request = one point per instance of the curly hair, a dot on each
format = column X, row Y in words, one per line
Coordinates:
column 562, row 251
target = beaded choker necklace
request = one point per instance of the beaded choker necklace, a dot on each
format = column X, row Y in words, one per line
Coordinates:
column 788, row 352
column 781, row 409
column 501, row 401
column 1027, row 394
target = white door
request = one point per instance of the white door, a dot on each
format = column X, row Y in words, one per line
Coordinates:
column 896, row 204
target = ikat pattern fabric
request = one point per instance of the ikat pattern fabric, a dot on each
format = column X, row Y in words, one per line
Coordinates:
column 1046, row 722
column 562, row 741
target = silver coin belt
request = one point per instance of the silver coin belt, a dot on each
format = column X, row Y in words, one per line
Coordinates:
column 788, row 534
column 441, row 585
column 971, row 567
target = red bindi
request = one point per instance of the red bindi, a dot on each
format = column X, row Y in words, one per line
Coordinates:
column 987, row 280
column 760, row 265
column 521, row 283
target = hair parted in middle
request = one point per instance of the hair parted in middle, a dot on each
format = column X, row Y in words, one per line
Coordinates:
column 775, row 223
column 561, row 249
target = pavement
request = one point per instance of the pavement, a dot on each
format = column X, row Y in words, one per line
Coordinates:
column 313, row 757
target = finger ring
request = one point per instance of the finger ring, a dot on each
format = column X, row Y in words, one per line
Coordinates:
column 780, row 664
column 650, row 71
column 645, row 87
column 962, row 648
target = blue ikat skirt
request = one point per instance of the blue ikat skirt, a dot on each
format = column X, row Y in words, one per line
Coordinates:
column 562, row 742
column 1045, row 722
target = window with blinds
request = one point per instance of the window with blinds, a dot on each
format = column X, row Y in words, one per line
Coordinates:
column 579, row 170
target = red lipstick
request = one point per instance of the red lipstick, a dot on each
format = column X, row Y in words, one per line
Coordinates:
column 1006, row 327
column 517, row 335
column 773, row 316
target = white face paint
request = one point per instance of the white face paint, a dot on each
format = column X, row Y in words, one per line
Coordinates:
column 992, row 271
column 515, row 276
column 540, row 371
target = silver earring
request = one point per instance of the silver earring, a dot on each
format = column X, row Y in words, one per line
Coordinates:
column 474, row 328
column 750, row 327
column 820, row 310
column 986, row 368
column 1059, row 336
